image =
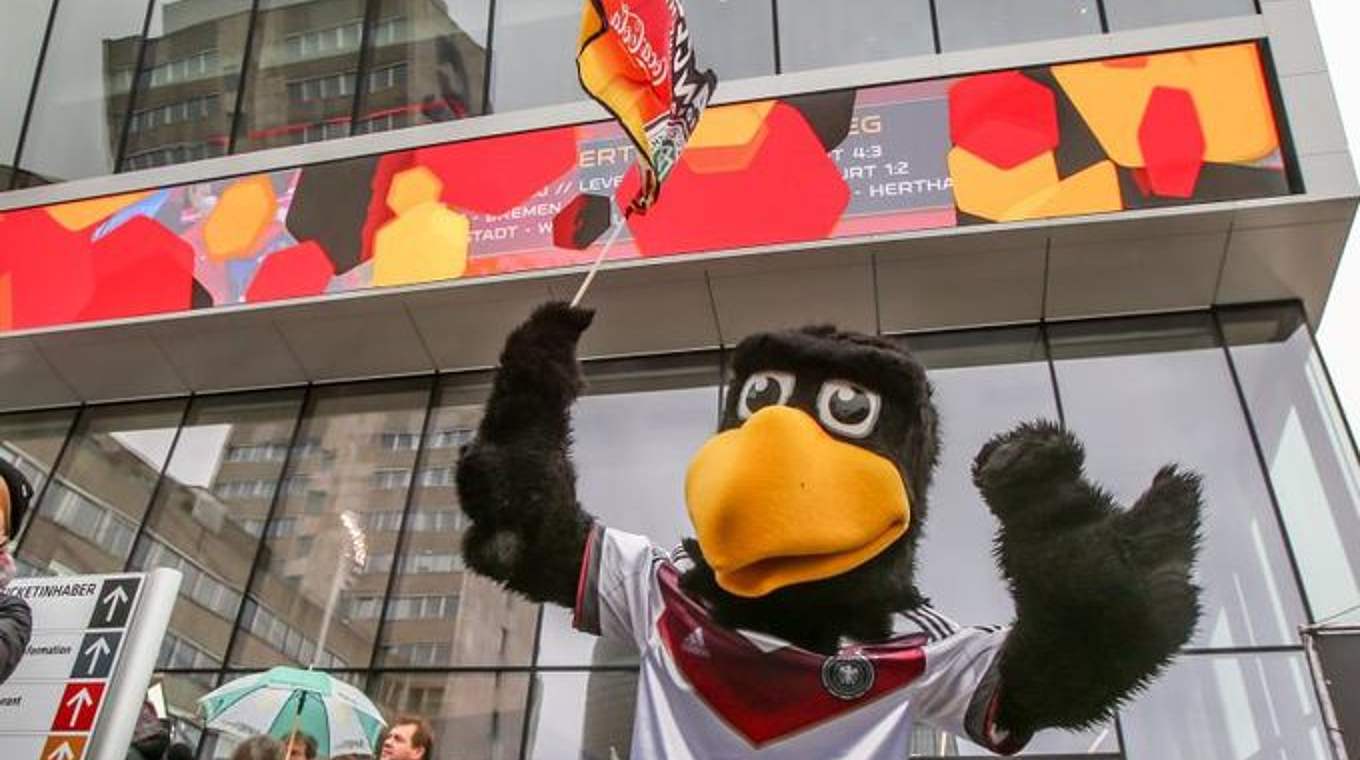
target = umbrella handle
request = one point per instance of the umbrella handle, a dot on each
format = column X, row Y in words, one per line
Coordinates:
column 292, row 732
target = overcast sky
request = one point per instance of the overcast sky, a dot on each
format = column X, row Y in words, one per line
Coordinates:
column 1338, row 20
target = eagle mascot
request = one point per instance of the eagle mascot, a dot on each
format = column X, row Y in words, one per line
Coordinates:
column 791, row 626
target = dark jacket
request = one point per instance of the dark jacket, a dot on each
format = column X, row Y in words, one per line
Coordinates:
column 16, row 625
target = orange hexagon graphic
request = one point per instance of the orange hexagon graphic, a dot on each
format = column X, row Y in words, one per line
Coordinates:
column 77, row 215
column 412, row 187
column 429, row 242
column 1226, row 84
column 242, row 214
column 728, row 137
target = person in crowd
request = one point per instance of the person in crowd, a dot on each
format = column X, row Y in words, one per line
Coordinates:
column 16, row 619
column 301, row 746
column 258, row 748
column 151, row 737
column 409, row 737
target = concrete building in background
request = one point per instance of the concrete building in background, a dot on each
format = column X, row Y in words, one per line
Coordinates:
column 257, row 258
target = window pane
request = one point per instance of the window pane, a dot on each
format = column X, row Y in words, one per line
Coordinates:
column 180, row 693
column 815, row 33
column 204, row 526
column 1131, row 14
column 985, row 382
column 535, row 58
column 583, row 715
column 325, row 499
column 477, row 715
column 735, row 39
column 20, row 40
column 968, row 24
column 634, row 436
column 1307, row 450
column 1144, row 392
column 83, row 94
column 428, row 63
column 89, row 514
column 31, row 441
column 187, row 89
column 303, row 65
column 1227, row 707
column 534, row 63
column 486, row 624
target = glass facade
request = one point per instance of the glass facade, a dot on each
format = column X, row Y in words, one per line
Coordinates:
column 261, row 498
column 122, row 85
column 966, row 24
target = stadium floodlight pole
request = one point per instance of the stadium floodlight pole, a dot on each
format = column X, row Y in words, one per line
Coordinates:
column 353, row 557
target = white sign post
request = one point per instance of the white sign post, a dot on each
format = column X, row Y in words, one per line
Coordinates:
column 77, row 692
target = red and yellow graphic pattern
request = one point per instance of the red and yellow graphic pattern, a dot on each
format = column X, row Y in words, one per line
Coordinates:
column 1079, row 138
column 1155, row 121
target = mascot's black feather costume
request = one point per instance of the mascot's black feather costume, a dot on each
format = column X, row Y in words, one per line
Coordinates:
column 791, row 625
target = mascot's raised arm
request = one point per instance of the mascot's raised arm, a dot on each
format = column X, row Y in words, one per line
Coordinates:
column 791, row 625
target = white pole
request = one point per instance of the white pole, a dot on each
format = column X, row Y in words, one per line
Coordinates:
column 618, row 225
column 340, row 576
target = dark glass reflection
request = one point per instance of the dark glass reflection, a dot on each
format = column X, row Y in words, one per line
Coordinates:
column 84, row 91
column 318, row 576
column 1144, row 392
column 986, row 382
column 735, row 39
column 20, row 40
column 1133, row 14
column 188, row 84
column 427, row 63
column 210, row 513
column 303, row 73
column 175, row 696
column 1227, row 707
column 814, row 33
column 490, row 626
column 473, row 714
column 582, row 715
column 635, row 432
column 1307, row 449
column 90, row 512
column 535, row 58
column 967, row 24
column 31, row 441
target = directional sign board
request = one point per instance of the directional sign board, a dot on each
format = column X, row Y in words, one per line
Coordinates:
column 77, row 691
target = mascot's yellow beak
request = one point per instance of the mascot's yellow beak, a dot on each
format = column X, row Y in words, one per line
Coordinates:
column 779, row 501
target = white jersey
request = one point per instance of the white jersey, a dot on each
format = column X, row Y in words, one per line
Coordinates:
column 711, row 692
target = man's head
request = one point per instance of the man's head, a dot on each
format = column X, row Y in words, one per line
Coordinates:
column 301, row 747
column 15, row 493
column 408, row 738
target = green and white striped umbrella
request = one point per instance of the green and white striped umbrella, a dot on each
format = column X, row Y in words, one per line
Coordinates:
column 341, row 719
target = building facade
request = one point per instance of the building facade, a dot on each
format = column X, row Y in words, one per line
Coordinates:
column 257, row 258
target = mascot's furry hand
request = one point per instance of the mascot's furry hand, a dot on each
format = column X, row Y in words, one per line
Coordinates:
column 515, row 479
column 1103, row 595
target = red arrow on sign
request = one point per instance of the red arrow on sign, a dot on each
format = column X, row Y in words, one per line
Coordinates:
column 78, row 705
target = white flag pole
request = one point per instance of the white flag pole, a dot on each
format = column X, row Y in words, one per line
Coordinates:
column 619, row 222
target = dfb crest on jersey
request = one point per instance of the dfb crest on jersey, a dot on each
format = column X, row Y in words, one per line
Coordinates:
column 848, row 676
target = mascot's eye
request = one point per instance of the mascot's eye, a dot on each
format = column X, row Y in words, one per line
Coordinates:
column 764, row 389
column 847, row 408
